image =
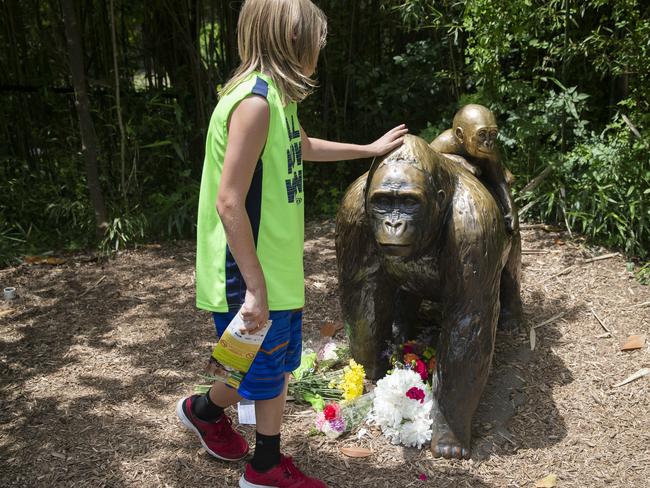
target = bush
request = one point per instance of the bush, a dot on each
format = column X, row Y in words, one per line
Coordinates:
column 606, row 183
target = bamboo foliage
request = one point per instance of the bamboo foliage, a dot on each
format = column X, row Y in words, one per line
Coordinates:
column 136, row 92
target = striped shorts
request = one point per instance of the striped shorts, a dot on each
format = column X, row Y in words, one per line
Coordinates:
column 280, row 353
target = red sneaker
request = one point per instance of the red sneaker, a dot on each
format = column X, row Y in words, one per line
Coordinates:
column 284, row 475
column 218, row 438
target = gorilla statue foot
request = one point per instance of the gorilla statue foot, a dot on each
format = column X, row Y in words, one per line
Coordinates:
column 445, row 444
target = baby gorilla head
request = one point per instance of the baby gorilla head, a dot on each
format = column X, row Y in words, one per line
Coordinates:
column 476, row 128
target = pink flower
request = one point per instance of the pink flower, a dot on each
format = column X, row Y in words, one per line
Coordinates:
column 421, row 369
column 320, row 421
column 331, row 411
column 416, row 393
column 422, row 477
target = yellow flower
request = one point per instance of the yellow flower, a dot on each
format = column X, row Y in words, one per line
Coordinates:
column 352, row 382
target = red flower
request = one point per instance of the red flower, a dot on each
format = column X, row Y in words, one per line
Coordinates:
column 421, row 369
column 422, row 477
column 416, row 393
column 330, row 412
column 408, row 348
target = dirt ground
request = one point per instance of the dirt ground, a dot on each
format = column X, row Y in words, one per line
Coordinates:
column 94, row 356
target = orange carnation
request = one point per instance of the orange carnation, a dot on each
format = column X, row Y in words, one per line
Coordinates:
column 410, row 357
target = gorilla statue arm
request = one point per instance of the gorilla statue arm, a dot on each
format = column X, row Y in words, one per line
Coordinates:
column 364, row 286
column 447, row 145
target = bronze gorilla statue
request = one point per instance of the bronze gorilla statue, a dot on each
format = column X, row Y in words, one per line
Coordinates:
column 419, row 227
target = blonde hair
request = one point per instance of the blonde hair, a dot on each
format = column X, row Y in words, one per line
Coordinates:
column 282, row 39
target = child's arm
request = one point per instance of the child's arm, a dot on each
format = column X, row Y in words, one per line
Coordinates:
column 247, row 132
column 321, row 150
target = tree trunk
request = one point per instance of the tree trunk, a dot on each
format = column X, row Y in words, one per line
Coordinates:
column 89, row 143
column 118, row 105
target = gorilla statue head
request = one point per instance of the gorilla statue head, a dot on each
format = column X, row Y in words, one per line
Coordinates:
column 475, row 127
column 403, row 204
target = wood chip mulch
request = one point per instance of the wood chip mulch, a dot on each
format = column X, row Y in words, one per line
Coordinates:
column 94, row 355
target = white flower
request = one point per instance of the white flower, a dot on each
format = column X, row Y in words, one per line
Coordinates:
column 402, row 419
column 329, row 432
column 416, row 433
column 391, row 434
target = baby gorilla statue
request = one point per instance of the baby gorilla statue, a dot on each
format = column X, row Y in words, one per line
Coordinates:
column 471, row 142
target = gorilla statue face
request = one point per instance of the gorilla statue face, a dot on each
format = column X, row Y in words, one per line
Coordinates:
column 398, row 206
column 476, row 128
column 481, row 141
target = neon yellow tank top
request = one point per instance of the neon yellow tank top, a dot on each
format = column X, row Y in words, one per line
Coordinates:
column 274, row 204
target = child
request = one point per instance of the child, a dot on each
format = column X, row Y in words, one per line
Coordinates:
column 250, row 248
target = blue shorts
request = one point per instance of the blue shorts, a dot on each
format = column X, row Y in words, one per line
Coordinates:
column 280, row 353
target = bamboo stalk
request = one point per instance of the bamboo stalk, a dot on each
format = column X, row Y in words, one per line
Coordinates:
column 118, row 105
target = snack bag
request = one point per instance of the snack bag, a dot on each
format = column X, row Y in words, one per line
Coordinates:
column 234, row 353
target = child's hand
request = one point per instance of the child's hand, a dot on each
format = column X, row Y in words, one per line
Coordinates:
column 389, row 141
column 254, row 311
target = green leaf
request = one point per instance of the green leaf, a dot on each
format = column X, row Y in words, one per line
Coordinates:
column 156, row 144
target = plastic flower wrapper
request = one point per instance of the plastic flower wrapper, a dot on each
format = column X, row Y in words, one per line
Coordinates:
column 307, row 365
column 402, row 408
column 355, row 412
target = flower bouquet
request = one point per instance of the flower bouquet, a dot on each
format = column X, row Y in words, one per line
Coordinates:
column 338, row 418
column 402, row 407
column 312, row 384
column 336, row 395
column 316, row 381
column 417, row 357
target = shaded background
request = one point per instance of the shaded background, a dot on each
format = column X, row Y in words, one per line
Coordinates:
column 568, row 80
